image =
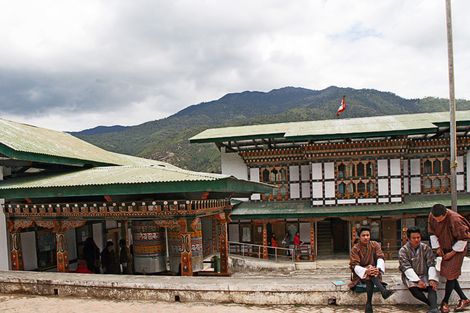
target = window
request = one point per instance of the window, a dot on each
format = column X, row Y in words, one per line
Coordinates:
column 355, row 179
column 275, row 175
column 435, row 175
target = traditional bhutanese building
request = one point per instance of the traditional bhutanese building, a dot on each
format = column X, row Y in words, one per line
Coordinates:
column 58, row 190
column 333, row 176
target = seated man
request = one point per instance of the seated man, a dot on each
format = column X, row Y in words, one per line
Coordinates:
column 417, row 264
column 367, row 264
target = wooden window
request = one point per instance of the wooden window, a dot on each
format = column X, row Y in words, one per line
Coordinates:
column 370, row 169
column 355, row 179
column 436, row 167
column 427, row 167
column 341, row 171
column 361, row 187
column 342, row 188
column 446, row 166
column 275, row 175
column 360, row 169
column 435, row 175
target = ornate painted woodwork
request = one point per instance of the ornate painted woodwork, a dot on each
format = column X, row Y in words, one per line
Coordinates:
column 265, row 241
column 312, row 241
column 362, row 149
column 223, row 241
column 186, row 257
column 124, row 210
column 16, row 255
column 62, row 253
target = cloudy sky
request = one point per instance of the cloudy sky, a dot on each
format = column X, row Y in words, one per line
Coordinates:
column 72, row 65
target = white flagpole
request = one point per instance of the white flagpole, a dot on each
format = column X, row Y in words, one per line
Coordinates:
column 453, row 132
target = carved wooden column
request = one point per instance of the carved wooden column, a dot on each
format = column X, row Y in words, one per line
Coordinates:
column 16, row 255
column 214, row 235
column 223, row 242
column 353, row 233
column 404, row 238
column 312, row 241
column 186, row 254
column 62, row 253
column 265, row 241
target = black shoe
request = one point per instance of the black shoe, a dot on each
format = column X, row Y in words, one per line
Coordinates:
column 369, row 308
column 386, row 294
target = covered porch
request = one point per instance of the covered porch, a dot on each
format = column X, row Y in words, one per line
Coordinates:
column 329, row 232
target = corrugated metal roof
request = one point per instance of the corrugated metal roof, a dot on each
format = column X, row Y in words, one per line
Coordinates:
column 305, row 209
column 110, row 175
column 35, row 141
column 332, row 128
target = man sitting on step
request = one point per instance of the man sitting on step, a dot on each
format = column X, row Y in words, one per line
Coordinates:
column 417, row 264
column 367, row 264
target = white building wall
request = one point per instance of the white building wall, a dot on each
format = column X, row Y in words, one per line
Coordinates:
column 98, row 235
column 468, row 171
column 254, row 176
column 4, row 246
column 233, row 164
column 28, row 246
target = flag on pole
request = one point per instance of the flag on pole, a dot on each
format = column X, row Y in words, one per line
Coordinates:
column 342, row 106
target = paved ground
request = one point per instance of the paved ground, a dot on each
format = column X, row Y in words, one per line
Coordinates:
column 36, row 304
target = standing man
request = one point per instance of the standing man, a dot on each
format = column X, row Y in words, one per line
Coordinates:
column 367, row 264
column 417, row 264
column 449, row 232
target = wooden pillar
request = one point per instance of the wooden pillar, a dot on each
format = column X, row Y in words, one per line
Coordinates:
column 62, row 253
column 214, row 235
column 312, row 241
column 223, row 247
column 125, row 231
column 353, row 233
column 186, row 252
column 14, row 229
column 186, row 260
column 265, row 241
column 16, row 254
column 404, row 238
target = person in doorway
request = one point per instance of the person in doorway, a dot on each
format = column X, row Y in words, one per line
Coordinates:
column 123, row 257
column 367, row 265
column 285, row 243
column 108, row 259
column 417, row 264
column 82, row 267
column 297, row 243
column 449, row 234
column 274, row 245
column 91, row 253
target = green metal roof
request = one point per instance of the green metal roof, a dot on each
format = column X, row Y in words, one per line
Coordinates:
column 303, row 209
column 30, row 143
column 114, row 180
column 421, row 123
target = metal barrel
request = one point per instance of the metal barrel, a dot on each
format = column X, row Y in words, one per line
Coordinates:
column 149, row 247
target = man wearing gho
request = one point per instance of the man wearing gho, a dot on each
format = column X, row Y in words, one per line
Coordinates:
column 417, row 264
column 449, row 233
column 367, row 264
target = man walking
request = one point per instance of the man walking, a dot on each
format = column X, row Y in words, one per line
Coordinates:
column 449, row 232
column 417, row 264
column 367, row 264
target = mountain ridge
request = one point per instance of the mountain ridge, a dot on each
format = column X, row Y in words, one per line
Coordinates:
column 167, row 139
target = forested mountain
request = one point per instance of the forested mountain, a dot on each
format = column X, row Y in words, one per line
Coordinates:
column 167, row 139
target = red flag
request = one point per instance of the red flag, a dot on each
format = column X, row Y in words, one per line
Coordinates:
column 342, row 106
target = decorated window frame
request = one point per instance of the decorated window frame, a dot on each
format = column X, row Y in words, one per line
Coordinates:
column 356, row 179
